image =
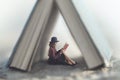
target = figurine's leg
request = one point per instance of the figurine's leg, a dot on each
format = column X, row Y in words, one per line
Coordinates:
column 70, row 61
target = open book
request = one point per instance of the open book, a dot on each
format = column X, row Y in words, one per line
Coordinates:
column 65, row 46
column 88, row 37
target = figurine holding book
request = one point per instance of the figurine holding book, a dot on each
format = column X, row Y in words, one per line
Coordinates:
column 59, row 57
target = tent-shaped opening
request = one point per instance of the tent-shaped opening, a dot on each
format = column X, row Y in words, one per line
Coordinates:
column 36, row 34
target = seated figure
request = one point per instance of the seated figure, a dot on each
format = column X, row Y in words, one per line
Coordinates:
column 58, row 57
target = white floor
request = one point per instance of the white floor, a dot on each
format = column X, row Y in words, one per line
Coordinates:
column 44, row 71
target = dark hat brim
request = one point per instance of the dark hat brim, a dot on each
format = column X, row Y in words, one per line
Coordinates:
column 53, row 41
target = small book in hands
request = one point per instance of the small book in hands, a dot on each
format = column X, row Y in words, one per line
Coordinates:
column 65, row 46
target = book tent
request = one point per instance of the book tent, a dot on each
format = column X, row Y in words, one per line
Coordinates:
column 37, row 31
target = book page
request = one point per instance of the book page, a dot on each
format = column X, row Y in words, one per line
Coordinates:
column 65, row 46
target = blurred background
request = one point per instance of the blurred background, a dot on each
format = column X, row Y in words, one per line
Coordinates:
column 14, row 15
